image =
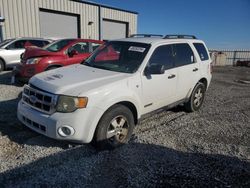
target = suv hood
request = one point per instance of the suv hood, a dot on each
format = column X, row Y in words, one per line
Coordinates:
column 75, row 79
column 31, row 52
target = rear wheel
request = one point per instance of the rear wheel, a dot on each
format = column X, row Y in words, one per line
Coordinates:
column 115, row 128
column 1, row 65
column 196, row 99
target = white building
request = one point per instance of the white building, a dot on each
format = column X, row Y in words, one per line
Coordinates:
column 64, row 18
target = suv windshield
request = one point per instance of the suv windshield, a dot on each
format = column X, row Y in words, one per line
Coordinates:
column 3, row 43
column 58, row 45
column 119, row 56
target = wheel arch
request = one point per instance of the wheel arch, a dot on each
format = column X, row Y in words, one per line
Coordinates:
column 53, row 65
column 131, row 107
column 204, row 81
column 4, row 63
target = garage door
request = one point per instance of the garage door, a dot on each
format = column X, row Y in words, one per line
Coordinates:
column 58, row 25
column 113, row 30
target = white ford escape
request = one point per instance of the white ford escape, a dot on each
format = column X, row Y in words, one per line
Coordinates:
column 102, row 99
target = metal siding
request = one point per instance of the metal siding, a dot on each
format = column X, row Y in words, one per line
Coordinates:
column 66, row 27
column 22, row 17
column 131, row 19
column 113, row 30
column 232, row 56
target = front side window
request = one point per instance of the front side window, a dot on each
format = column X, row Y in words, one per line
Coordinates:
column 81, row 47
column 117, row 56
column 163, row 55
column 58, row 45
column 201, row 51
column 183, row 54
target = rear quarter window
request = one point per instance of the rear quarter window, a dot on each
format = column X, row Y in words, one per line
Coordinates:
column 39, row 43
column 201, row 51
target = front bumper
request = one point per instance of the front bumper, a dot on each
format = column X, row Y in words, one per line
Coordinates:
column 83, row 121
column 23, row 72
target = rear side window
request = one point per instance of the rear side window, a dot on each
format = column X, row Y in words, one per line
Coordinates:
column 20, row 44
column 95, row 46
column 201, row 51
column 163, row 55
column 183, row 55
column 39, row 43
column 81, row 47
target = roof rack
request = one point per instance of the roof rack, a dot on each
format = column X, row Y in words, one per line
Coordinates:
column 180, row 37
column 145, row 35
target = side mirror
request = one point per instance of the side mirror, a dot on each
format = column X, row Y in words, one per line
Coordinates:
column 155, row 69
column 72, row 53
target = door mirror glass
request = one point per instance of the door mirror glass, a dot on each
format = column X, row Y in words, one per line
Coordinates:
column 155, row 69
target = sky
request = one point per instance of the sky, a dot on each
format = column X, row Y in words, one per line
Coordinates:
column 222, row 24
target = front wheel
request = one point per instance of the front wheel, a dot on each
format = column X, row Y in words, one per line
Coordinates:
column 196, row 99
column 114, row 128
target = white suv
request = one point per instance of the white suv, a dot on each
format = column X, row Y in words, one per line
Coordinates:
column 102, row 99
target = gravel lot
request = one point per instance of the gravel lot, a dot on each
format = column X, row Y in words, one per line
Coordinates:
column 208, row 148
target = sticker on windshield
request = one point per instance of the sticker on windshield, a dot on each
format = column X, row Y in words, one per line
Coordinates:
column 136, row 49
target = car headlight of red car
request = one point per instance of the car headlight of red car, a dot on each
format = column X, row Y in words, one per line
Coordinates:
column 32, row 61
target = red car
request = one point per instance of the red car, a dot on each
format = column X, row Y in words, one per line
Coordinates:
column 57, row 54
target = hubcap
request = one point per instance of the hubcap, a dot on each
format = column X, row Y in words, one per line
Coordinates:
column 198, row 97
column 118, row 129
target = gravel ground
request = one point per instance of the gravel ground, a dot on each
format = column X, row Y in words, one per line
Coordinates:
column 208, row 148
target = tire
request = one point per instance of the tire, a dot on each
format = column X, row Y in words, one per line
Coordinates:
column 114, row 128
column 196, row 99
column 1, row 65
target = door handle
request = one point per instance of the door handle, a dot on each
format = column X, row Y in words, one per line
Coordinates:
column 195, row 69
column 171, row 76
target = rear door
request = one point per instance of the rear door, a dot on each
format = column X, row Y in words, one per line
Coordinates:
column 160, row 89
column 188, row 69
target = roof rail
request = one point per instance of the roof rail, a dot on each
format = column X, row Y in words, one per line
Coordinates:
column 180, row 37
column 145, row 35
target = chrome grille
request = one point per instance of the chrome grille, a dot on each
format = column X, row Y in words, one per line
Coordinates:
column 39, row 100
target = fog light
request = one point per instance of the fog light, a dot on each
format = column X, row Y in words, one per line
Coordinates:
column 66, row 131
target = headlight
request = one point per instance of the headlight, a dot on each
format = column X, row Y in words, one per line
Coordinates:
column 70, row 104
column 33, row 61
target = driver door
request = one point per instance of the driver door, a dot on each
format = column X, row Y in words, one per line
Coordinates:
column 159, row 90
